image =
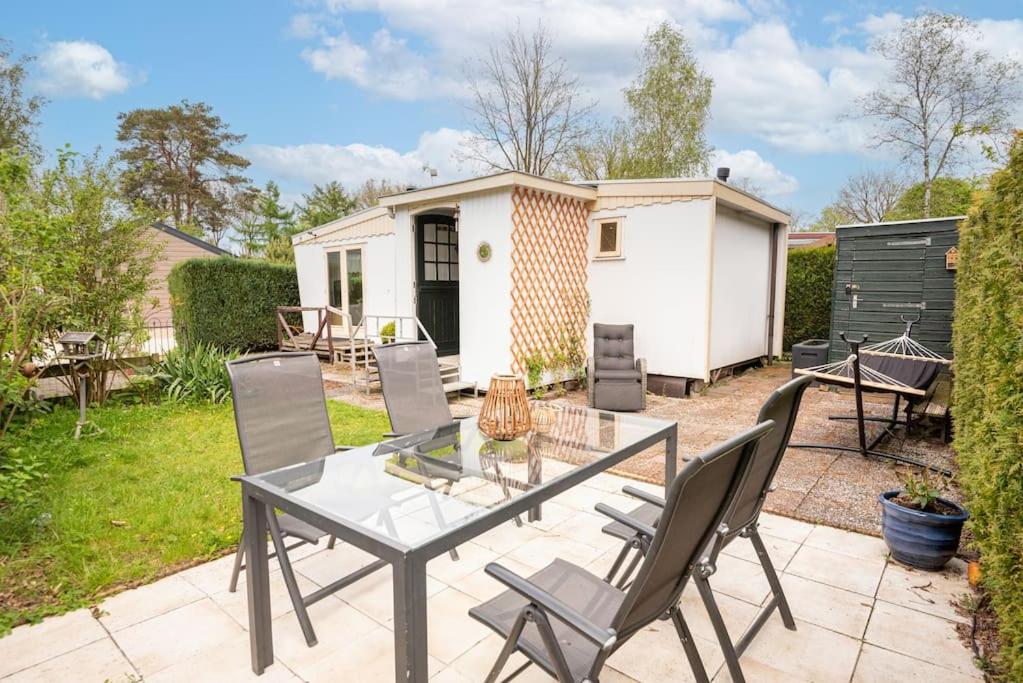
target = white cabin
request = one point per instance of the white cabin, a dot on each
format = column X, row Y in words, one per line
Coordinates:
column 507, row 269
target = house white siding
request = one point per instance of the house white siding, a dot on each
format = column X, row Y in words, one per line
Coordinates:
column 484, row 295
column 659, row 284
column 740, row 288
column 379, row 274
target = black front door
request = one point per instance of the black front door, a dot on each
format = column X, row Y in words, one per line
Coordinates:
column 437, row 280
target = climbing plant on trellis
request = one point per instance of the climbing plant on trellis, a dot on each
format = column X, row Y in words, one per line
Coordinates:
column 550, row 300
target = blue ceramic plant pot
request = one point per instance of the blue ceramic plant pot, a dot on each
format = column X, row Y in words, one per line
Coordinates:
column 925, row 540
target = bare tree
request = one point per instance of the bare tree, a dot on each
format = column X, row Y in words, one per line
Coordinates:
column 526, row 109
column 941, row 93
column 869, row 196
column 747, row 184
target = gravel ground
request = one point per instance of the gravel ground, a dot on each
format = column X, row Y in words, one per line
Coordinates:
column 828, row 487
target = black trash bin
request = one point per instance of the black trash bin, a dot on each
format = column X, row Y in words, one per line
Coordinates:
column 809, row 353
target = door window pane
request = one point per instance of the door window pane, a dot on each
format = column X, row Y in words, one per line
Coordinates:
column 454, row 271
column 334, row 279
column 430, row 252
column 430, row 271
column 431, row 232
column 442, row 271
column 353, row 263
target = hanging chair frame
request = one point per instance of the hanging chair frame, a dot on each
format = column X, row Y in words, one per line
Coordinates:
column 862, row 378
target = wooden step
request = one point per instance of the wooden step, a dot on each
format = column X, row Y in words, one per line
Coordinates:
column 460, row 386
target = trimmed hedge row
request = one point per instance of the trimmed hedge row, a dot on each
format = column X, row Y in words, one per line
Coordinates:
column 230, row 302
column 988, row 399
column 808, row 295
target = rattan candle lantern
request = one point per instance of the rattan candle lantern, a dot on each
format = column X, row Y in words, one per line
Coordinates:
column 505, row 412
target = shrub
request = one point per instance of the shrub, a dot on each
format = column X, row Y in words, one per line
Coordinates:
column 808, row 295
column 949, row 197
column 196, row 373
column 988, row 399
column 387, row 333
column 229, row 302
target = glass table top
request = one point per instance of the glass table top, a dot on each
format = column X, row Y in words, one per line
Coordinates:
column 410, row 490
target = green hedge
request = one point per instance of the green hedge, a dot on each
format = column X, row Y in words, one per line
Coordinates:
column 988, row 399
column 808, row 295
column 230, row 302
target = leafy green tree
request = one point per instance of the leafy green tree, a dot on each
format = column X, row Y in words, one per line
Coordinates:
column 31, row 258
column 668, row 107
column 18, row 113
column 372, row 190
column 942, row 92
column 180, row 163
column 324, row 204
column 106, row 243
column 830, row 218
column 664, row 133
column 949, row 197
column 265, row 222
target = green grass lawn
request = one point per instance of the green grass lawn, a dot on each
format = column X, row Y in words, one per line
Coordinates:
column 147, row 496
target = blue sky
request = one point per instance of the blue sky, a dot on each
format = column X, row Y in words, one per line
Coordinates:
column 350, row 89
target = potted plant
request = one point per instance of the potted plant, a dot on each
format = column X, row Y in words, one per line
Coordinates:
column 921, row 528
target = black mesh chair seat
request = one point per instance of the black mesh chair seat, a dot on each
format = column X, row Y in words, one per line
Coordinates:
column 647, row 513
column 293, row 526
column 587, row 594
column 631, row 375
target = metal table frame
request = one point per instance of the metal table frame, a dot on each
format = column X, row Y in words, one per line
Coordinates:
column 408, row 564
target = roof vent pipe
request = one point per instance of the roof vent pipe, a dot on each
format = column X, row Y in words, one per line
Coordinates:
column 723, row 172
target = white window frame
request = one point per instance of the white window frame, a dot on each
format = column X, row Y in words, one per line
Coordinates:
column 342, row 250
column 599, row 255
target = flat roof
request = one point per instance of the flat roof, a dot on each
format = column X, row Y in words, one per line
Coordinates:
column 487, row 183
column 589, row 190
column 912, row 220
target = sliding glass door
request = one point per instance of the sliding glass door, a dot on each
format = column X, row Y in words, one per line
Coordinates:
column 344, row 283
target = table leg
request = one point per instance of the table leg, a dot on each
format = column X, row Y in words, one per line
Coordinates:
column 410, row 658
column 670, row 457
column 257, row 582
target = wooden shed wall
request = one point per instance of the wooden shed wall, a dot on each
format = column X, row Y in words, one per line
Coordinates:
column 175, row 250
column 900, row 270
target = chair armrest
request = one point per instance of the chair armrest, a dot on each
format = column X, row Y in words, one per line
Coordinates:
column 643, row 496
column 604, row 638
column 591, row 370
column 622, row 518
column 641, row 366
column 340, row 447
column 392, row 435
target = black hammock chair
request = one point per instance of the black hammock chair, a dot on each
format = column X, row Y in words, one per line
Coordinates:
column 899, row 366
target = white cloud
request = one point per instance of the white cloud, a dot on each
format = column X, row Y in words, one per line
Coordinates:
column 355, row 163
column 80, row 68
column 876, row 24
column 748, row 164
column 423, row 48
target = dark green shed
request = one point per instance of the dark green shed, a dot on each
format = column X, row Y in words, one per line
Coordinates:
column 887, row 270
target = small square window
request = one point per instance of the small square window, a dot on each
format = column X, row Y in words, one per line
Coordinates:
column 430, row 272
column 609, row 238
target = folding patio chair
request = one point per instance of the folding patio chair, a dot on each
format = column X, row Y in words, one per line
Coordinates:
column 569, row 621
column 781, row 406
column 280, row 412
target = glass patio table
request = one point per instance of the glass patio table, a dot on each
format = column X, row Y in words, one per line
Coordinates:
column 411, row 499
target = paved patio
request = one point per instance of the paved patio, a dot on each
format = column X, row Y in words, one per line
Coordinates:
column 837, row 489
column 859, row 617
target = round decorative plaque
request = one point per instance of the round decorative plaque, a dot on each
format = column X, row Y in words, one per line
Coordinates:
column 483, row 251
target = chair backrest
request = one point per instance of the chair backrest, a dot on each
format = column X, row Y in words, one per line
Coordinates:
column 613, row 347
column 697, row 502
column 280, row 410
column 782, row 406
column 413, row 392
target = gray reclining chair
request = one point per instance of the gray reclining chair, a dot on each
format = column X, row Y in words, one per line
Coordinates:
column 782, row 406
column 280, row 412
column 569, row 621
column 616, row 379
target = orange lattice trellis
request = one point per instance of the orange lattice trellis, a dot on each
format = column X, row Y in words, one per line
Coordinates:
column 550, row 301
